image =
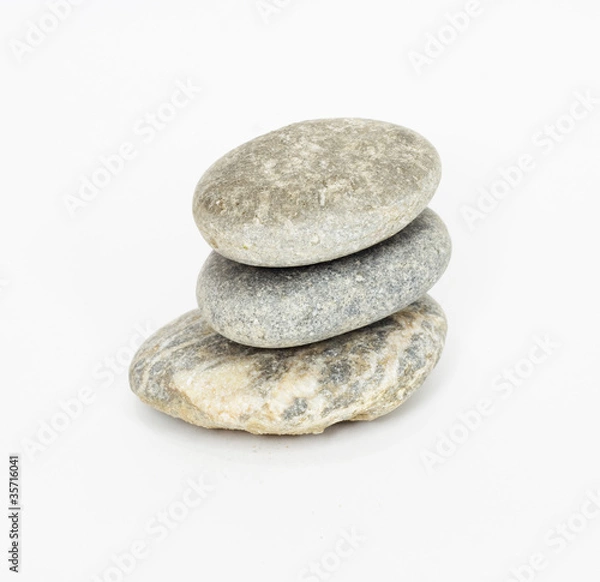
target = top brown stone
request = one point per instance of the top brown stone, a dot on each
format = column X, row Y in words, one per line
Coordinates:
column 315, row 191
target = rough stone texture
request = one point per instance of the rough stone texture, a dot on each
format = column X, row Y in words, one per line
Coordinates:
column 189, row 371
column 315, row 191
column 274, row 308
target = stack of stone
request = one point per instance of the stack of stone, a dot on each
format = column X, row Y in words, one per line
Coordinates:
column 313, row 307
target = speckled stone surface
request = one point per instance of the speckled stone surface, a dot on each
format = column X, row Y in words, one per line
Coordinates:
column 315, row 191
column 190, row 372
column 276, row 308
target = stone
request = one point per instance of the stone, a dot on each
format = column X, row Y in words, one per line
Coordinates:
column 189, row 371
column 315, row 191
column 275, row 308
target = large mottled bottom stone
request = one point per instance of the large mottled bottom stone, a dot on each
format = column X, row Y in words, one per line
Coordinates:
column 189, row 371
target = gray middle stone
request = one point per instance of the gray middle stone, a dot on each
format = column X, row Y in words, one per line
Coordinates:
column 285, row 307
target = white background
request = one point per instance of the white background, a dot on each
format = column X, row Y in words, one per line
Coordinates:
column 74, row 288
